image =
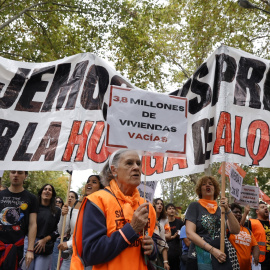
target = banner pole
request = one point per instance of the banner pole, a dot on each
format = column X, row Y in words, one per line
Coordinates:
column 222, row 221
column 64, row 221
column 144, row 181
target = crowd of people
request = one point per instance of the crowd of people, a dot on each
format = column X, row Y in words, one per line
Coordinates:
column 112, row 227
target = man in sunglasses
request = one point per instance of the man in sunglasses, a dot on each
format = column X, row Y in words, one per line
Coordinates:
column 18, row 214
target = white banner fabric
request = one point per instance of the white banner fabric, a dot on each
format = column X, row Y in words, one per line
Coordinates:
column 52, row 114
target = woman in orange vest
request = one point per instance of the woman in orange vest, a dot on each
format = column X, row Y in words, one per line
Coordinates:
column 115, row 226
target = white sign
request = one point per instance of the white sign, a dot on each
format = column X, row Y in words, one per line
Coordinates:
column 146, row 121
column 249, row 195
column 148, row 189
column 1, row 173
column 236, row 181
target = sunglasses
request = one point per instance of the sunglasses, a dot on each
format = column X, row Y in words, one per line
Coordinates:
column 58, row 201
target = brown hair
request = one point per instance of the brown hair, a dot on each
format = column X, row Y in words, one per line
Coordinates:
column 202, row 180
column 163, row 214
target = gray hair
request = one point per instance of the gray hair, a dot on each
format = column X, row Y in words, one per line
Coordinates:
column 106, row 173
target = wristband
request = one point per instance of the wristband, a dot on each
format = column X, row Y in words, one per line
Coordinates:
column 165, row 261
column 210, row 250
column 124, row 237
column 226, row 213
column 30, row 250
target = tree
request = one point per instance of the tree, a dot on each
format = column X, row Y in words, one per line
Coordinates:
column 36, row 179
column 184, row 187
column 81, row 190
column 156, row 44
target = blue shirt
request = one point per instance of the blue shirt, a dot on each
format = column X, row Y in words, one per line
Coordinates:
column 182, row 236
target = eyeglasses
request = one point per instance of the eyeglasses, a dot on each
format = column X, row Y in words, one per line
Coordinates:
column 58, row 201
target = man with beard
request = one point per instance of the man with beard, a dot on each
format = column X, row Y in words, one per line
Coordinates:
column 18, row 215
column 261, row 230
column 174, row 251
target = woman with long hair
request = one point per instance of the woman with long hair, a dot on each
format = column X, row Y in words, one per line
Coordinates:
column 47, row 219
column 163, row 230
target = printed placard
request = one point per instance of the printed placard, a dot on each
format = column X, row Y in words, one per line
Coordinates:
column 249, row 195
column 236, row 181
column 148, row 189
column 146, row 121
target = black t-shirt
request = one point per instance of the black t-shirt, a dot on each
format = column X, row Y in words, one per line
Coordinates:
column 207, row 225
column 14, row 216
column 47, row 222
column 174, row 245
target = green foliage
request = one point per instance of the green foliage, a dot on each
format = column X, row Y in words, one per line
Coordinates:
column 184, row 187
column 183, row 192
column 36, row 179
column 80, row 191
column 156, row 44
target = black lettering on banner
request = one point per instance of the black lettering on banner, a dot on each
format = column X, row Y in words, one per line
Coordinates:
column 97, row 75
column 62, row 86
column 14, row 88
column 51, row 138
column 266, row 92
column 244, row 81
column 119, row 81
column 223, row 76
column 150, row 184
column 34, row 84
column 184, row 91
column 5, row 139
column 198, row 144
column 235, row 191
column 236, row 177
column 201, row 89
column 21, row 154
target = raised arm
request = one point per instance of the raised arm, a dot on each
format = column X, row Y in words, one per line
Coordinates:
column 244, row 216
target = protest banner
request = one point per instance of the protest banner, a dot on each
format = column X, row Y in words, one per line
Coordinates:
column 235, row 166
column 236, row 181
column 146, row 121
column 147, row 189
column 249, row 195
column 262, row 195
column 52, row 114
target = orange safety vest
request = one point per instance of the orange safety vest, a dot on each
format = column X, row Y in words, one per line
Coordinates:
column 259, row 234
column 131, row 258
